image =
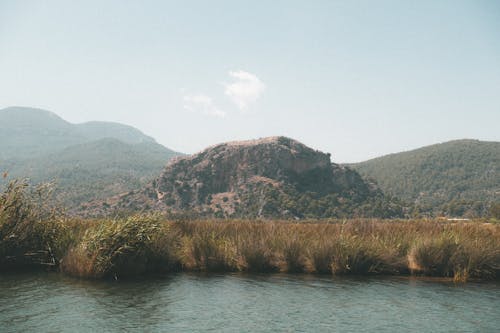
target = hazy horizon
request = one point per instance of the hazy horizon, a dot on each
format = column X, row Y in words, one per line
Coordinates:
column 208, row 146
column 356, row 79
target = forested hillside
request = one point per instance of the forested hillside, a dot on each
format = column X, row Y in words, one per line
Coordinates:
column 456, row 178
column 86, row 161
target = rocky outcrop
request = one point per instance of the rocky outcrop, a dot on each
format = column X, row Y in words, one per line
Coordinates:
column 275, row 176
column 187, row 182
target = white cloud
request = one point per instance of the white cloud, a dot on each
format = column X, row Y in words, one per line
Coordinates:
column 245, row 89
column 203, row 104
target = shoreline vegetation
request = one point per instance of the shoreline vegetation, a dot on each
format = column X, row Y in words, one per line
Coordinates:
column 34, row 234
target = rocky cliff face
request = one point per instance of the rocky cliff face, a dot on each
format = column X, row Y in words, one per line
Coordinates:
column 228, row 167
column 274, row 177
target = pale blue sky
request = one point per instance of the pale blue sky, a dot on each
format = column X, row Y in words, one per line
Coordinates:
column 357, row 79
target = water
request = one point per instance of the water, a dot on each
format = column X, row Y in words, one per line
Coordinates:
column 49, row 302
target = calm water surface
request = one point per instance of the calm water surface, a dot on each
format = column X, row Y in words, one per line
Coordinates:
column 49, row 302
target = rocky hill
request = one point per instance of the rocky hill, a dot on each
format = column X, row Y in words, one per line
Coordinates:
column 455, row 178
column 270, row 177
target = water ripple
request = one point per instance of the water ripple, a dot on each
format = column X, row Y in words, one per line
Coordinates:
column 46, row 302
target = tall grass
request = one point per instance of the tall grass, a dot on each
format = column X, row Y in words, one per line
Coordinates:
column 113, row 248
column 32, row 230
column 135, row 245
column 361, row 247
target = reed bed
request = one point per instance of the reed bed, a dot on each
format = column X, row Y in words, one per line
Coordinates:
column 34, row 234
column 120, row 248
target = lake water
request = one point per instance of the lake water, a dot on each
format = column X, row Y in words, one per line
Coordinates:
column 50, row 302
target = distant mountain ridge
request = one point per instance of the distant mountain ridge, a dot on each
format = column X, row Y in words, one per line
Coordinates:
column 269, row 177
column 455, row 178
column 87, row 161
column 28, row 132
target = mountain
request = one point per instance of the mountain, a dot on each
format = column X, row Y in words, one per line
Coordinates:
column 87, row 161
column 29, row 132
column 96, row 169
column 455, row 178
column 270, row 177
column 102, row 129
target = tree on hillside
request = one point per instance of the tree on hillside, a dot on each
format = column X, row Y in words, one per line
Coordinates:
column 495, row 210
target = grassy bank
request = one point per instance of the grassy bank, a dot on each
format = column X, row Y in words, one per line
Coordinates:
column 33, row 236
column 143, row 244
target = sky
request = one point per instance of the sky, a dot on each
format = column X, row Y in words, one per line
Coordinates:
column 357, row 79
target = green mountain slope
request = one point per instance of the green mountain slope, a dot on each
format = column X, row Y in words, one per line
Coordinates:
column 87, row 161
column 456, row 178
column 95, row 170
